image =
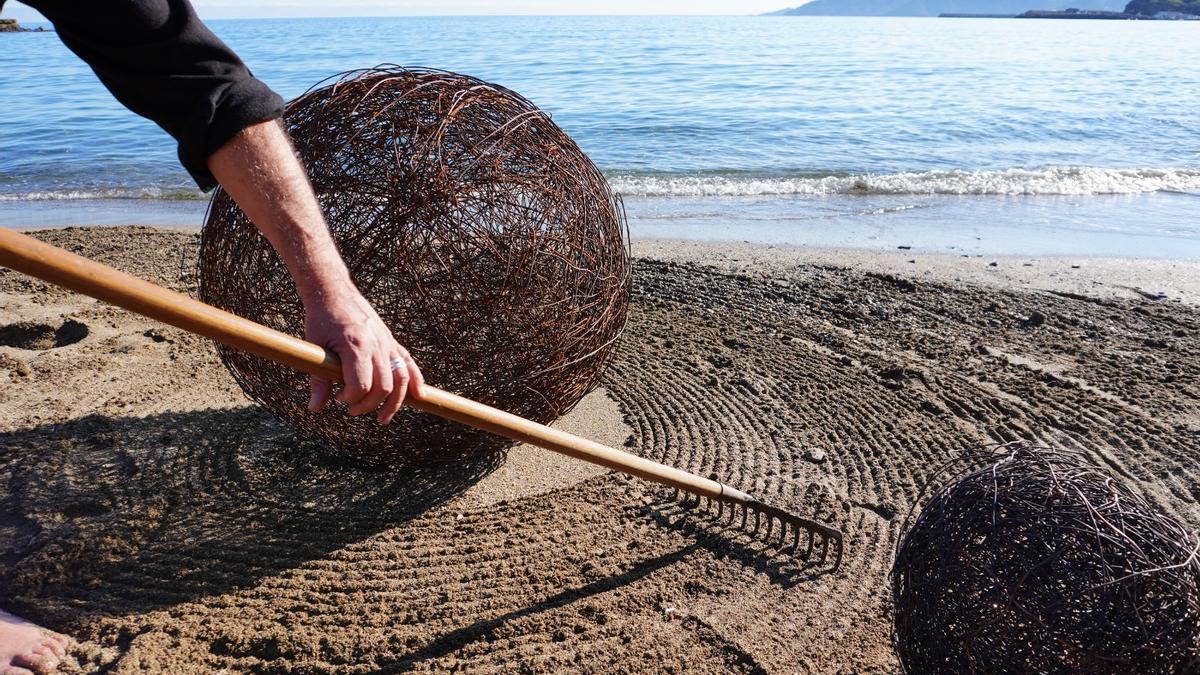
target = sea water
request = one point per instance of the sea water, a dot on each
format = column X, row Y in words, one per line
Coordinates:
column 964, row 135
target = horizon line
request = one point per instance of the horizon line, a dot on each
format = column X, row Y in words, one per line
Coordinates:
column 450, row 16
column 766, row 15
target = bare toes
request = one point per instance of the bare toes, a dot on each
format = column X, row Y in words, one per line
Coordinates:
column 57, row 644
column 49, row 657
column 41, row 660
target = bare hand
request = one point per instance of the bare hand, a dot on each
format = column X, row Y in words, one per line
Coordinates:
column 344, row 322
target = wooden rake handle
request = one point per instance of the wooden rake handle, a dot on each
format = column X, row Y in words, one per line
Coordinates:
column 63, row 268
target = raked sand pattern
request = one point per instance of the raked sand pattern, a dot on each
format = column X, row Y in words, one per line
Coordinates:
column 150, row 512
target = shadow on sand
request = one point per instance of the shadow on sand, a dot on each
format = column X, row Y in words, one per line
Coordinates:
column 106, row 521
column 121, row 516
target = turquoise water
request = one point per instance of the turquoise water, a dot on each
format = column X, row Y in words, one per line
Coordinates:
column 802, row 130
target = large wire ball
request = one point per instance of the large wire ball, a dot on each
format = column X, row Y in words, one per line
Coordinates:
column 1042, row 563
column 484, row 237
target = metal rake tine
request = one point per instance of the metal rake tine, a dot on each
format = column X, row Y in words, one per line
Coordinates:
column 774, row 536
column 829, row 536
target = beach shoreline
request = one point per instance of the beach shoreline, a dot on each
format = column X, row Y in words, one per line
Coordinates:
column 1170, row 280
column 1144, row 226
column 153, row 513
column 1166, row 279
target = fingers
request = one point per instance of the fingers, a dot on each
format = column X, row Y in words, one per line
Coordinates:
column 358, row 374
column 415, row 379
column 370, row 383
column 380, row 385
column 400, row 384
column 321, row 389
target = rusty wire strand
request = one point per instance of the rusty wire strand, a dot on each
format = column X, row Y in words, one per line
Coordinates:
column 1043, row 563
column 484, row 237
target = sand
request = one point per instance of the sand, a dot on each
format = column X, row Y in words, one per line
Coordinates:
column 149, row 510
column 1145, row 278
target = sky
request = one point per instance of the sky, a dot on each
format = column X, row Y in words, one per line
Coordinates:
column 222, row 9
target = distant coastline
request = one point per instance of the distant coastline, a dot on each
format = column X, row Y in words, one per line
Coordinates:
column 1075, row 14
column 1082, row 14
column 1106, row 16
column 12, row 26
column 1127, row 10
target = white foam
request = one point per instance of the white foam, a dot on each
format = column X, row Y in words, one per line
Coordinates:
column 1048, row 181
column 178, row 194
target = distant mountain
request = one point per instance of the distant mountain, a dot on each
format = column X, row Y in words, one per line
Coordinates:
column 936, row 7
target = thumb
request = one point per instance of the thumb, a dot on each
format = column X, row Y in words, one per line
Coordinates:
column 320, row 393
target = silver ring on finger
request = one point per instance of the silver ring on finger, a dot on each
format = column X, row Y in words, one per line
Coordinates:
column 399, row 364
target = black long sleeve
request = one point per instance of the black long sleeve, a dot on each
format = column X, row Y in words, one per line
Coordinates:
column 163, row 63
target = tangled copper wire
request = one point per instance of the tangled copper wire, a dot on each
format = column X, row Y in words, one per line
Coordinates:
column 1043, row 563
column 487, row 241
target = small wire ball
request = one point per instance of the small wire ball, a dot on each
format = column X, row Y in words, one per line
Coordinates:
column 1042, row 563
column 484, row 237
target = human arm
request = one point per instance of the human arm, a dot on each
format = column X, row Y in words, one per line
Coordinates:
column 161, row 62
column 261, row 172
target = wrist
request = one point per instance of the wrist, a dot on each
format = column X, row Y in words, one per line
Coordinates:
column 324, row 284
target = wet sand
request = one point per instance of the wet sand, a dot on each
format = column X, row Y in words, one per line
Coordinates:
column 150, row 511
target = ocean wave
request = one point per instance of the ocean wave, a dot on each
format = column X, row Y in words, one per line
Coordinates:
column 168, row 194
column 1048, row 181
column 1014, row 182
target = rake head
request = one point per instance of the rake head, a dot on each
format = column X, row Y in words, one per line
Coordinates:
column 777, row 528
